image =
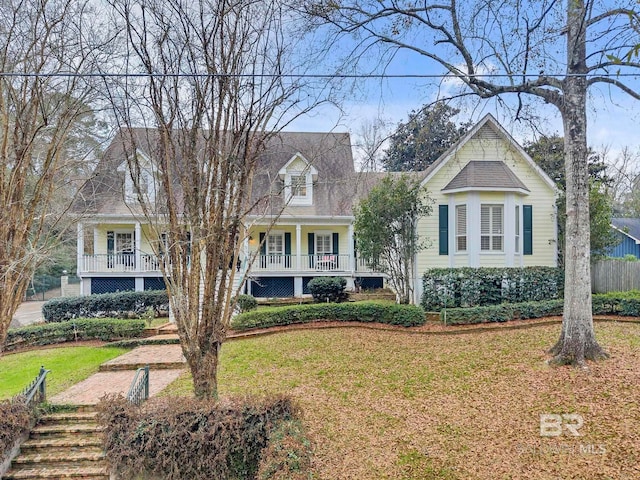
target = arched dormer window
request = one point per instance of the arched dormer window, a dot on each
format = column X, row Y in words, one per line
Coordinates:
column 298, row 176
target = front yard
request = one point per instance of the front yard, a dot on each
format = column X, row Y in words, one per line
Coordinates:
column 389, row 405
column 68, row 365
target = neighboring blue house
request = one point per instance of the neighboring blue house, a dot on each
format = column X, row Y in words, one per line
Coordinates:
column 629, row 231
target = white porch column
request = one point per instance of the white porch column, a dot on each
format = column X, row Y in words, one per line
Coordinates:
column 80, row 247
column 138, row 242
column 509, row 229
column 96, row 239
column 245, row 254
column 299, row 249
column 350, row 249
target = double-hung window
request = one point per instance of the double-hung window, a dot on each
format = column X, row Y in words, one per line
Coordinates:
column 491, row 228
column 275, row 247
column 461, row 228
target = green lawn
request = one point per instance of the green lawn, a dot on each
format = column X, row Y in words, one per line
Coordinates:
column 389, row 405
column 68, row 366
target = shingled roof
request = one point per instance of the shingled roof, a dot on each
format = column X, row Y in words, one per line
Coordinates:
column 337, row 188
column 493, row 175
column 629, row 226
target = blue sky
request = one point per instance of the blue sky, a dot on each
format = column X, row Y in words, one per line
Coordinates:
column 613, row 117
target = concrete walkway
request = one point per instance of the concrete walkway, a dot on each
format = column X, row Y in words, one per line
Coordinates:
column 165, row 361
column 27, row 313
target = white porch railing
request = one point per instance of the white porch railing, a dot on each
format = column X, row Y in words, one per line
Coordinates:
column 308, row 263
column 118, row 262
column 125, row 262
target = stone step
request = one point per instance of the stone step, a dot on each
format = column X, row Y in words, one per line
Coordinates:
column 69, row 417
column 65, row 442
column 40, row 431
column 98, row 472
column 160, row 365
column 86, row 456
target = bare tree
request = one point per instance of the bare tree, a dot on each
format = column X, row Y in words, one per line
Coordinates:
column 214, row 95
column 41, row 101
column 371, row 137
column 624, row 169
column 550, row 49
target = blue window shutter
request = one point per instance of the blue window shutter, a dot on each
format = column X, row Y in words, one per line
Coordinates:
column 110, row 243
column 527, row 229
column 263, row 244
column 336, row 239
column 287, row 249
column 311, row 248
column 443, row 229
column 287, row 243
column 312, row 243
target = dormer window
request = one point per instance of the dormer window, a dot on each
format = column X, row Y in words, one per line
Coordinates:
column 298, row 186
column 146, row 181
column 298, row 176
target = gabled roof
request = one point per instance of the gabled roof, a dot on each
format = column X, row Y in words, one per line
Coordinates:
column 629, row 227
column 328, row 154
column 487, row 175
column 487, row 125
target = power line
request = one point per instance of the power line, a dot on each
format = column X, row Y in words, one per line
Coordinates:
column 314, row 75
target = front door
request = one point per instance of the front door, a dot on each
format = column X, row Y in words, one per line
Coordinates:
column 125, row 249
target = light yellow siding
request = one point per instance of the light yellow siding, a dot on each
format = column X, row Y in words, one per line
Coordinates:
column 541, row 196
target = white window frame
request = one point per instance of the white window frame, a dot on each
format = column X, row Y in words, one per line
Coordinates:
column 293, row 199
column 458, row 233
column 325, row 235
column 491, row 234
column 274, row 256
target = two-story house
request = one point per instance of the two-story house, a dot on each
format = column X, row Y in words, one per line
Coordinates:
column 493, row 206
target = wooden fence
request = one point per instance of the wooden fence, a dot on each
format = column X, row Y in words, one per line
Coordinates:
column 615, row 276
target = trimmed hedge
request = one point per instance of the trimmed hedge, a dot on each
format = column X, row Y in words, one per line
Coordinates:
column 118, row 305
column 613, row 303
column 183, row 438
column 106, row 329
column 374, row 311
column 501, row 313
column 472, row 287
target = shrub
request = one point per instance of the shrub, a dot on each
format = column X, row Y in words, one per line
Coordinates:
column 16, row 419
column 119, row 305
column 105, row 329
column 328, row 289
column 288, row 453
column 501, row 313
column 180, row 437
column 471, row 287
column 372, row 311
column 246, row 303
column 613, row 303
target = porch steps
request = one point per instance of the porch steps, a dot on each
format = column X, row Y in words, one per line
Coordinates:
column 62, row 446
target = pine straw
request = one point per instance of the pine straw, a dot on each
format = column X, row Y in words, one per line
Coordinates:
column 392, row 405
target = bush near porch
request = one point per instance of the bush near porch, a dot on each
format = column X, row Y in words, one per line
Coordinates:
column 382, row 312
column 475, row 287
column 120, row 305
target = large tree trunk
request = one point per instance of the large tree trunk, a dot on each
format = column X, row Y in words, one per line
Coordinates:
column 577, row 341
column 204, row 371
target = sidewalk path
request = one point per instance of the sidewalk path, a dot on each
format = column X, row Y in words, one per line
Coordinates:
column 27, row 313
column 165, row 361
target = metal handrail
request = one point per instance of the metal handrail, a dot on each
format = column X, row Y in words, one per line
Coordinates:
column 139, row 389
column 37, row 388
